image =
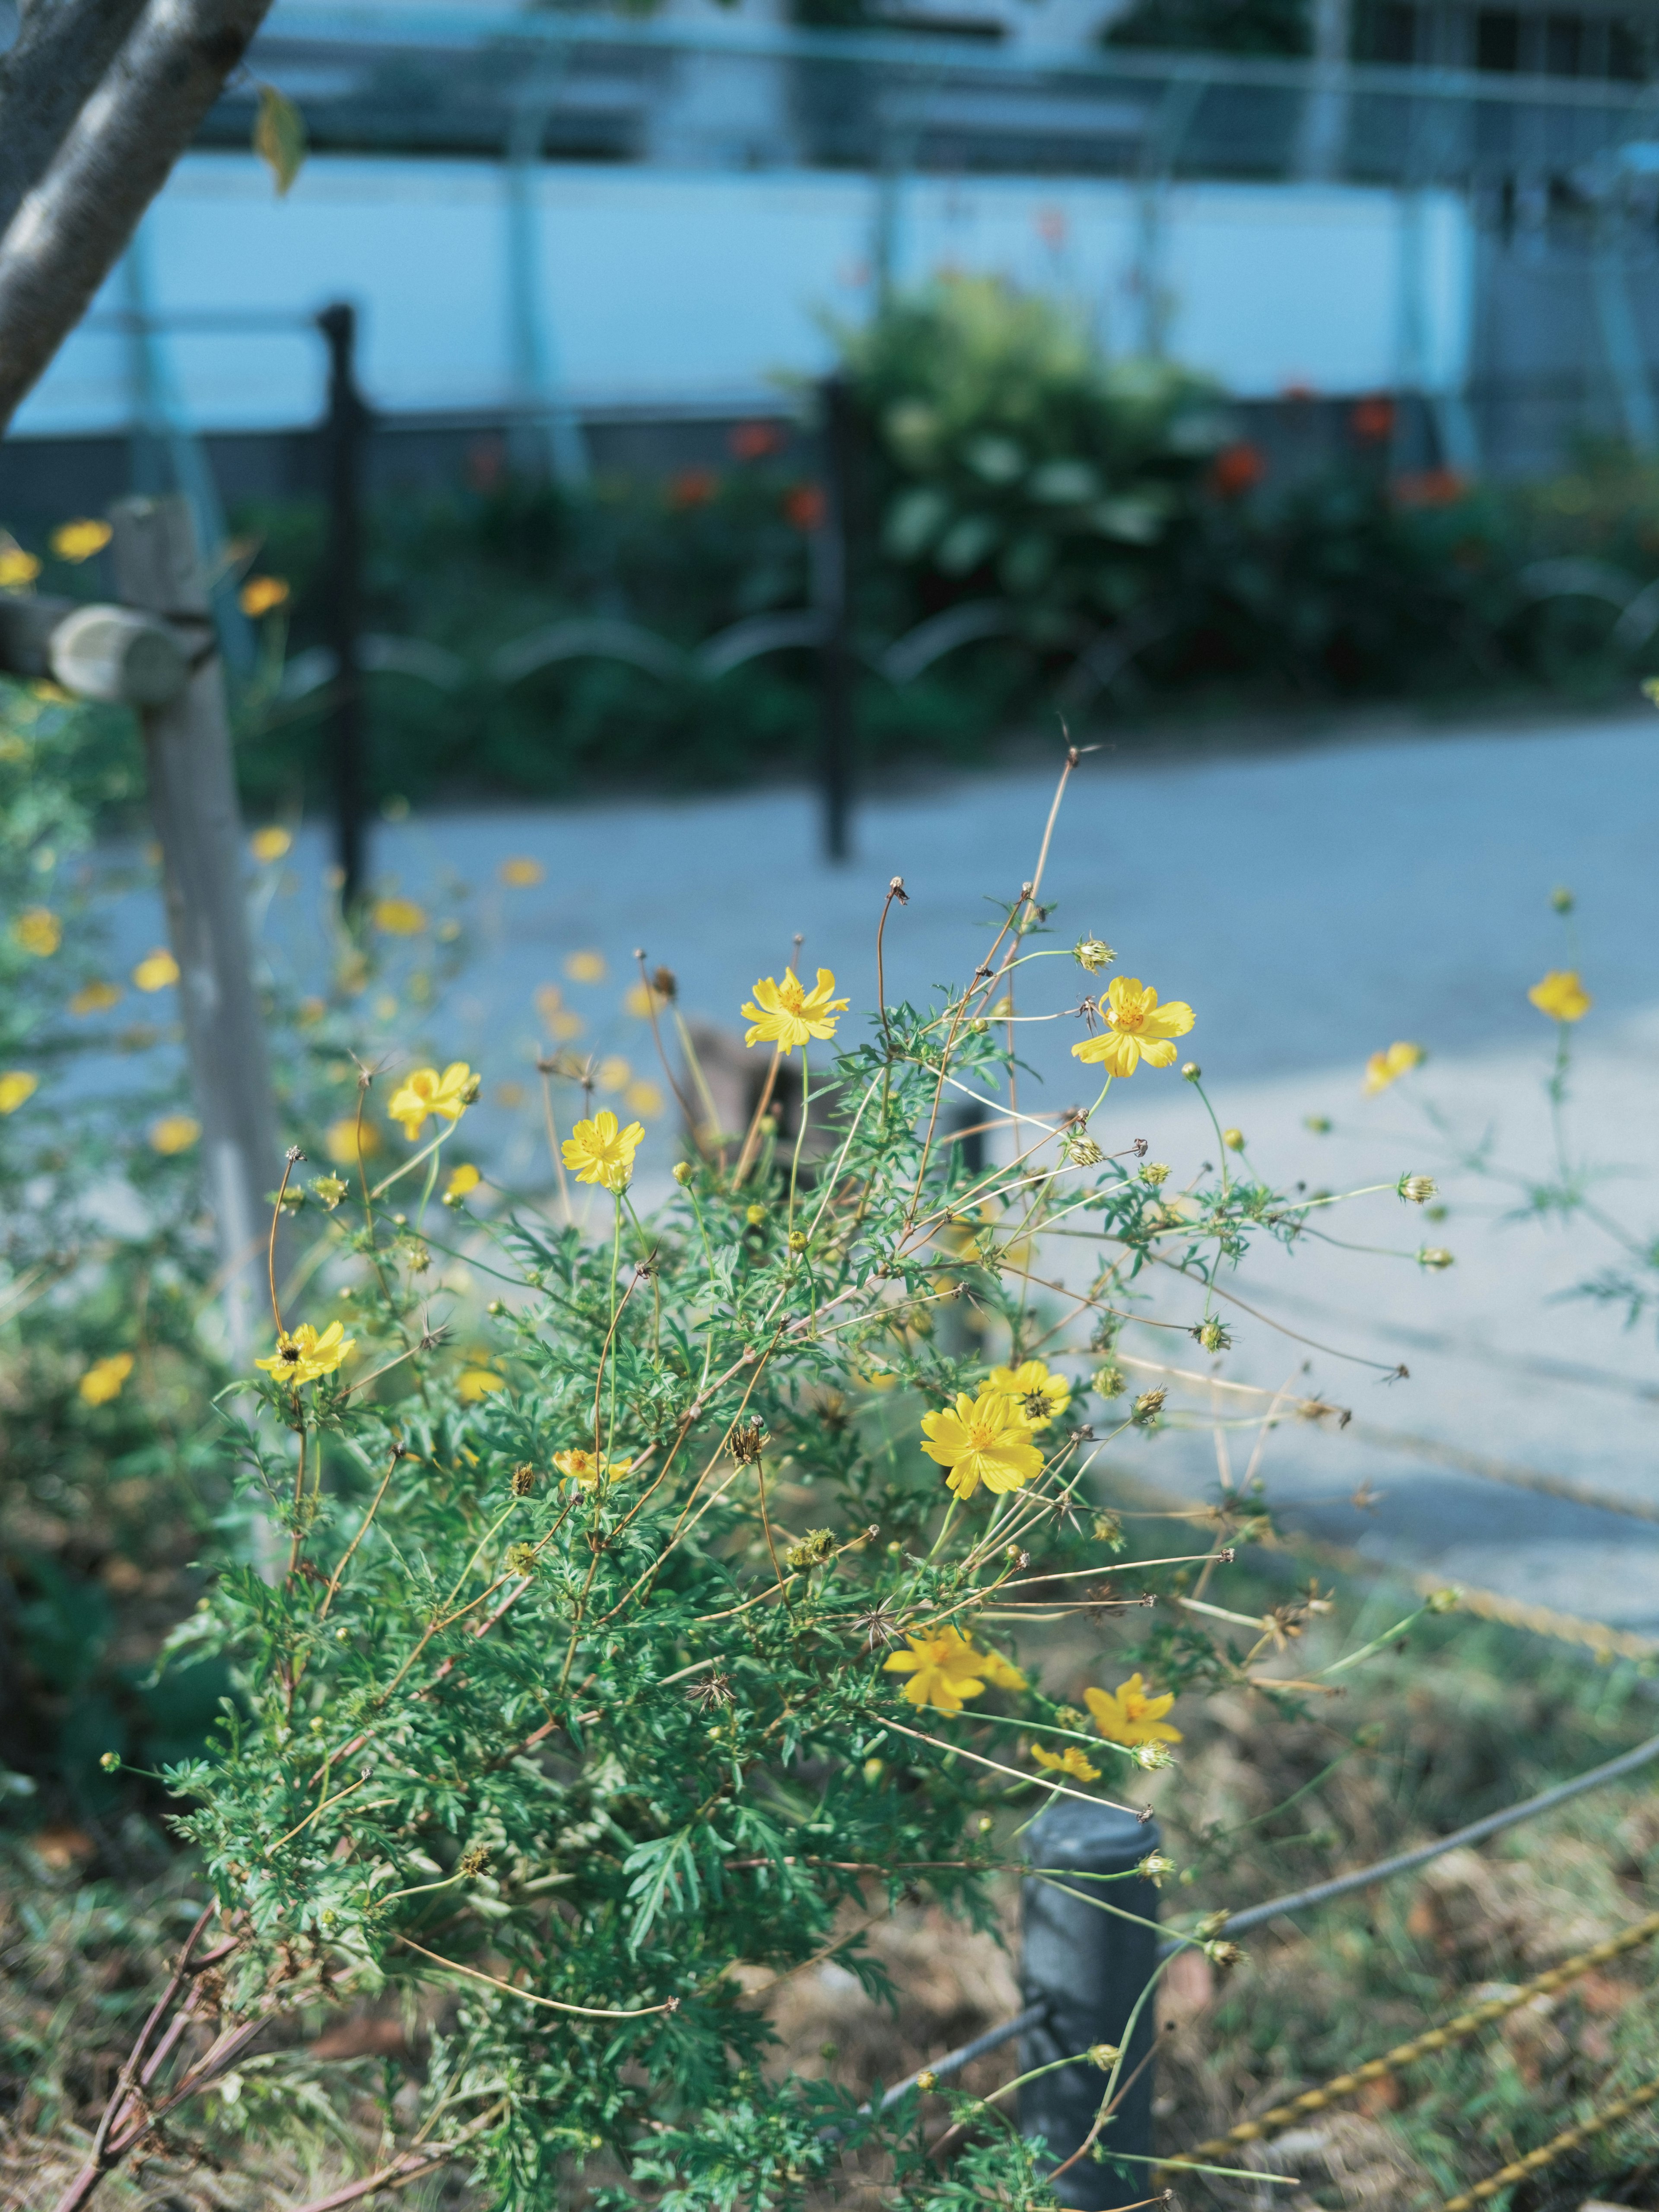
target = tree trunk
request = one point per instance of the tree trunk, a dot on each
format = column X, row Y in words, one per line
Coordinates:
column 55, row 65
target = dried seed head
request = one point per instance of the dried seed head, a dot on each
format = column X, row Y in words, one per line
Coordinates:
column 1417, row 1190
column 746, row 1445
column 1222, row 1954
column 710, row 1690
column 521, row 1559
column 897, row 887
column 1070, row 1717
column 473, row 1863
column 1154, row 1174
column 1108, row 1529
column 1105, row 2056
column 813, row 1549
column 665, row 983
column 1092, row 953
column 417, row 1259
column 1149, row 1405
column 878, row 1627
column 1152, row 1756
column 523, row 1480
column 1084, row 1152
column 1155, row 1866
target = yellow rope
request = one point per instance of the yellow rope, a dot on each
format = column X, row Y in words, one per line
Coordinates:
column 1422, row 2046
column 1542, row 1620
column 1569, row 2139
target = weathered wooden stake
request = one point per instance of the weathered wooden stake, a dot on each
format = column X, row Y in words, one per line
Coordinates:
column 192, row 799
column 1090, row 1968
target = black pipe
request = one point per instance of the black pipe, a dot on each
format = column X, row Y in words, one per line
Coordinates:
column 343, row 432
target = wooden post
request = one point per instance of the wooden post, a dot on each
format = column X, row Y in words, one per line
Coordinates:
column 193, row 797
column 1089, row 1969
column 835, row 648
column 344, row 436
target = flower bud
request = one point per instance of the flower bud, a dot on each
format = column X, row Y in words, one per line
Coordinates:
column 1154, row 1174
column 1443, row 1601
column 1155, row 1866
column 1190, row 1071
column 1084, row 1152
column 1417, row 1190
column 1233, row 1139
column 798, row 1240
column 1105, row 2056
column 1149, row 1405
column 1433, row 1256
column 1108, row 1383
column 1214, row 1336
column 755, row 1216
column 683, row 1171
column 110, row 1761
column 1152, row 1756
column 1562, row 899
column 927, row 2079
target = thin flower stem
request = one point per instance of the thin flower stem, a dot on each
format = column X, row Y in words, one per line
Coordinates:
column 979, row 1759
column 752, row 1137
column 800, row 1134
column 270, row 1247
column 397, row 1453
column 528, row 1997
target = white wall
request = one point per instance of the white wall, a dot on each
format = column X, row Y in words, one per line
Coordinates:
column 665, row 290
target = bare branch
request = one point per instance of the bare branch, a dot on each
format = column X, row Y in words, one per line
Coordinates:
column 55, row 65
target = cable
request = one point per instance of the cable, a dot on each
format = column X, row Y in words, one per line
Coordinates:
column 1569, row 2139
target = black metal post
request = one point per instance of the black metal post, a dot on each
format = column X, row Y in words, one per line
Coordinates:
column 835, row 651
column 1090, row 1968
column 342, row 436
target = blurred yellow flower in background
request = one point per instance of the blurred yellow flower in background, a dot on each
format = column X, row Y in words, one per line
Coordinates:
column 270, row 843
column 103, row 1379
column 1040, row 1393
column 1001, row 1672
column 985, row 1439
column 156, row 970
column 1128, row 1716
column 586, row 967
column 398, row 917
column 78, row 542
column 1073, row 1760
column 1561, row 996
column 614, row 1073
column 303, row 1355
column 787, row 1014
column 38, row 931
column 1138, row 1027
column 601, row 1151
column 425, row 1092
column 346, row 1145
column 943, row 1666
column 521, row 871
column 16, row 1086
column 644, row 1098
column 475, row 1382
column 463, row 1178
column 641, row 1000
column 95, row 997
column 1383, row 1068
column 261, row 594
column 18, row 570
column 174, row 1132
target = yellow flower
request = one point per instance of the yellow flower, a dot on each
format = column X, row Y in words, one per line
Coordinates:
column 346, row 1145
column 270, row 843
column 302, row 1356
column 943, row 1666
column 96, row 998
column 645, row 1098
column 77, row 542
column 520, row 873
column 602, row 1150
column 1138, row 1027
column 38, row 931
column 18, row 570
column 425, row 1092
column 587, row 1468
column 1383, row 1068
column 103, row 1379
column 641, row 1000
column 260, row 594
column 1561, row 996
column 398, row 917
column 588, row 967
column 1073, row 1760
column 1040, row 1395
column 477, row 1382
column 157, row 970
column 614, row 1073
column 986, row 1439
column 1000, row 1672
column 17, row 1085
column 1128, row 1716
column 174, row 1132
column 463, row 1178
column 788, row 1014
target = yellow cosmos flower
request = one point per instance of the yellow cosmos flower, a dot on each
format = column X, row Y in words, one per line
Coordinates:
column 615, row 1073
column 586, row 967
column 475, row 1382
column 95, row 997
column 302, row 1356
column 520, row 873
column 261, row 594
column 38, row 931
column 463, row 1178
column 788, row 1014
column 18, row 570
column 1040, row 1395
column 943, row 1666
column 1128, row 1716
column 103, row 1379
column 1138, row 1027
column 17, row 1086
column 79, row 541
column 425, row 1092
column 1001, row 1672
column 1561, row 996
column 1383, row 1068
column 986, row 1439
column 1073, row 1760
column 345, row 1143
column 602, row 1150
column 156, row 972
column 270, row 843
column 174, row 1132
column 398, row 917
column 589, row 1469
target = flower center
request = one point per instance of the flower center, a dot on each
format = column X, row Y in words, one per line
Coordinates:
column 1128, row 1016
column 981, row 1436
column 791, row 997
column 1036, row 1406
